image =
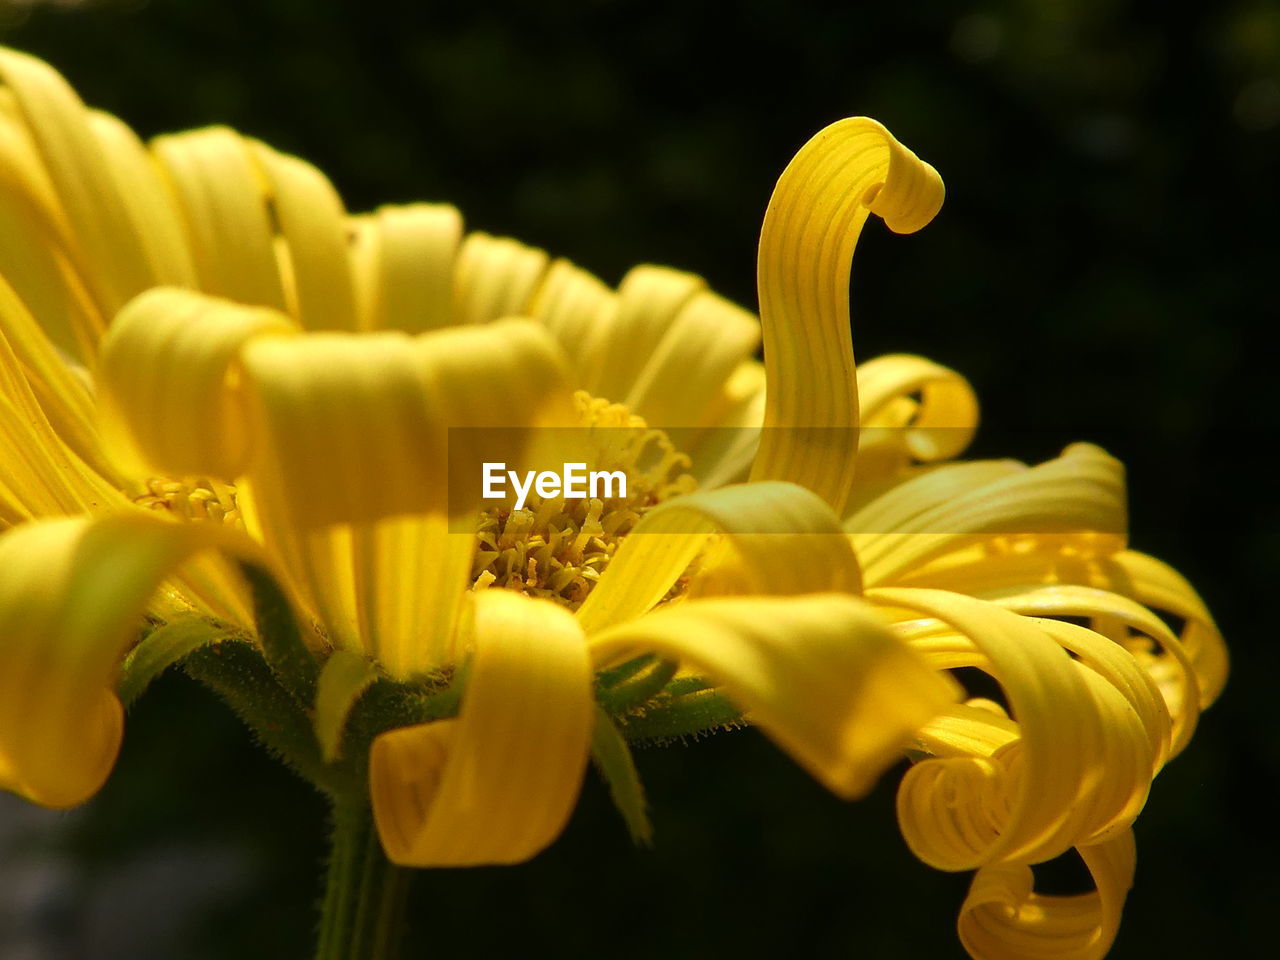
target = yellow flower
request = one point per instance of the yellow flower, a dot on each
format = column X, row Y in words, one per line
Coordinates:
column 203, row 357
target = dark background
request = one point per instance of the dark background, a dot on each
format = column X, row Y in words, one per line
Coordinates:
column 1104, row 268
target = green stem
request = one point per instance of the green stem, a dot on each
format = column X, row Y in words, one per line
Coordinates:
column 362, row 915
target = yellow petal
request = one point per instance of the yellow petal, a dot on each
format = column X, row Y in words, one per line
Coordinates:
column 851, row 168
column 108, row 251
column 169, row 381
column 648, row 301
column 39, row 474
column 956, row 505
column 72, row 594
column 897, row 429
column 357, row 428
column 786, row 540
column 495, row 277
column 573, row 304
column 1081, row 765
column 412, row 266
column 1157, row 585
column 705, row 343
column 1153, row 704
column 821, row 674
column 1003, row 918
column 223, row 199
column 723, row 452
column 349, row 486
column 34, row 254
column 497, row 784
column 312, row 226
column 150, row 205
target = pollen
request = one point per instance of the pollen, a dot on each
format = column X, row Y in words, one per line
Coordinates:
column 198, row 499
column 558, row 548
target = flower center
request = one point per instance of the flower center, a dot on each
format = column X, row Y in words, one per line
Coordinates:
column 559, row 548
column 195, row 499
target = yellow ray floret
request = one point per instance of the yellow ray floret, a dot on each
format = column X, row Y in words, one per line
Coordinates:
column 848, row 170
column 72, row 595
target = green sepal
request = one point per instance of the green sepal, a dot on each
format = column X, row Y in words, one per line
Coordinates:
column 237, row 671
column 161, row 649
column 633, row 683
column 612, row 757
column 290, row 658
column 687, row 707
column 387, row 705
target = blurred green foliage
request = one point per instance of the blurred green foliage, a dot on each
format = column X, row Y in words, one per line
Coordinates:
column 1104, row 269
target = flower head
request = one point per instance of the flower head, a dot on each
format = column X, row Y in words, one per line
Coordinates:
column 256, row 414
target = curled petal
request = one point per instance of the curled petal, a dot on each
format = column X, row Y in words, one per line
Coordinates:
column 1083, row 757
column 497, row 784
column 706, row 341
column 170, row 383
column 846, row 171
column 1003, row 918
column 103, row 236
column 959, row 505
column 495, row 277
column 151, row 208
column 72, row 593
column 408, row 254
column 339, row 445
column 222, row 194
column 723, row 453
column 1122, row 592
column 648, row 301
column 784, row 538
column 820, row 674
column 573, row 303
column 1157, row 585
column 350, row 485
column 1181, row 699
column 312, row 248
column 896, row 428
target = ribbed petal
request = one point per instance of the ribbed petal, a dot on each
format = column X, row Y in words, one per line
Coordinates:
column 723, row 452
column 574, row 305
column 706, row 341
column 150, row 205
column 1003, row 918
column 312, row 246
column 784, row 540
column 170, row 383
column 1157, row 585
column 72, row 594
column 1087, row 738
column 912, row 410
column 223, row 198
column 497, row 784
column 648, row 301
column 958, row 505
column 34, row 254
column 495, row 277
column 39, row 474
column 407, row 255
column 104, row 243
column 821, row 674
column 851, row 168
column 350, row 486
